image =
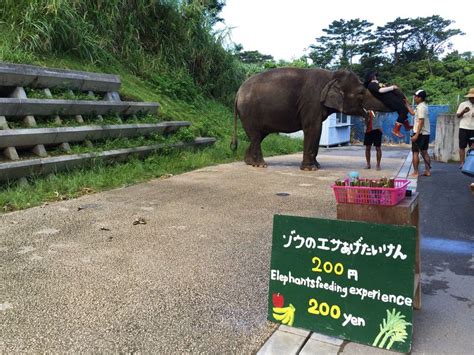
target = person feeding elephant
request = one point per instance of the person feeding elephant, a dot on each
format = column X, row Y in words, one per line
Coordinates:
column 392, row 97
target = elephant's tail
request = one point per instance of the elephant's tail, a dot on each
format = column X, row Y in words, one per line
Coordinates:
column 234, row 143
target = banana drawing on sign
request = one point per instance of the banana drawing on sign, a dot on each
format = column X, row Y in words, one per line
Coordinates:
column 286, row 315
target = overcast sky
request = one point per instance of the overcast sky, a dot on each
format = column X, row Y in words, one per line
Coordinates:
column 284, row 28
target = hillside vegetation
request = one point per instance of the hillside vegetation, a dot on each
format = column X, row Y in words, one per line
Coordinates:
column 164, row 51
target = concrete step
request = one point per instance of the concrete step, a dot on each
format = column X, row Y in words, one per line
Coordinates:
column 43, row 166
column 22, row 138
column 13, row 107
column 39, row 77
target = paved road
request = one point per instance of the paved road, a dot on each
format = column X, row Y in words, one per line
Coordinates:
column 80, row 276
column 447, row 228
column 444, row 324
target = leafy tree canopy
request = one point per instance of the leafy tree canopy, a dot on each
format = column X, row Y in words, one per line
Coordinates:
column 401, row 40
column 343, row 41
column 405, row 51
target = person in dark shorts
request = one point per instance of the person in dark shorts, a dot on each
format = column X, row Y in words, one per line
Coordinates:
column 373, row 136
column 393, row 98
column 466, row 125
column 421, row 139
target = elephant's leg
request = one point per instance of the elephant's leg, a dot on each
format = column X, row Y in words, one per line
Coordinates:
column 312, row 135
column 254, row 155
column 316, row 150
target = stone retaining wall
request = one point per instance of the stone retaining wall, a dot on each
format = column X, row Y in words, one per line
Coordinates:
column 447, row 142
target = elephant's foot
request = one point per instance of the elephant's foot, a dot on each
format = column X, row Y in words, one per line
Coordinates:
column 309, row 167
column 255, row 163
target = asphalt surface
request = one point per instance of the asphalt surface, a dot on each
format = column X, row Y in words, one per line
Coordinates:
column 181, row 264
column 447, row 246
column 80, row 276
column 447, row 220
column 445, row 322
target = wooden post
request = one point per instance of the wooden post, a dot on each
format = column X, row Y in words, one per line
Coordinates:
column 406, row 213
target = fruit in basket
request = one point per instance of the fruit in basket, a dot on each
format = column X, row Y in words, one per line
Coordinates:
column 391, row 183
column 340, row 182
column 383, row 191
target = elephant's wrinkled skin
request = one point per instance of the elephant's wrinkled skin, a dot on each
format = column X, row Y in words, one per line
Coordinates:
column 290, row 99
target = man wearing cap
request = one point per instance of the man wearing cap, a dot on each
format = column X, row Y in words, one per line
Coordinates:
column 421, row 139
column 466, row 125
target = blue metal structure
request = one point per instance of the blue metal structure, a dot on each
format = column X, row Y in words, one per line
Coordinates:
column 336, row 130
column 388, row 120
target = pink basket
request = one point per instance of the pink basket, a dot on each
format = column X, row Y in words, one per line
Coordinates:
column 371, row 195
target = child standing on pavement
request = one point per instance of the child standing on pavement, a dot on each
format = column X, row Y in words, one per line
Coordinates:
column 393, row 98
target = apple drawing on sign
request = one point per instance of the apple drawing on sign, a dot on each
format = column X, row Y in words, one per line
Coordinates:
column 278, row 300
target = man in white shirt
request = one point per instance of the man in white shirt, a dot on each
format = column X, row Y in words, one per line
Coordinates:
column 421, row 139
column 466, row 125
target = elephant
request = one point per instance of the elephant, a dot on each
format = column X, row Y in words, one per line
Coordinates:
column 292, row 99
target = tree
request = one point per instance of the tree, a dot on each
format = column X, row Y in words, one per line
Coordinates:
column 430, row 35
column 343, row 41
column 405, row 51
column 394, row 35
column 210, row 8
column 253, row 61
column 371, row 58
column 323, row 55
column 254, row 57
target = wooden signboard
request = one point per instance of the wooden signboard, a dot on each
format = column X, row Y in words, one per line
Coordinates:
column 352, row 280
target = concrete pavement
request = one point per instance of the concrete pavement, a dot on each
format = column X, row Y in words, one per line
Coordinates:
column 445, row 322
column 175, row 265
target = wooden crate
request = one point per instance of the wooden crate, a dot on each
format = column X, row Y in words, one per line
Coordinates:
column 406, row 213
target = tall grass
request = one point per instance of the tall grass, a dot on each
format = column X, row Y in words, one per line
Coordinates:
column 170, row 42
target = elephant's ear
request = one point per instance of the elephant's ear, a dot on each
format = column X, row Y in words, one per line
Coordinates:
column 332, row 96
